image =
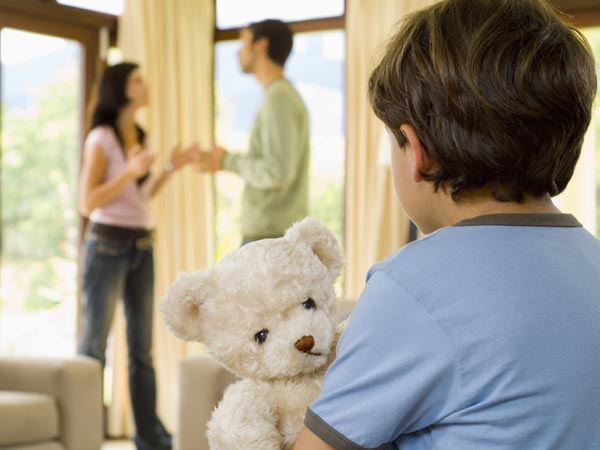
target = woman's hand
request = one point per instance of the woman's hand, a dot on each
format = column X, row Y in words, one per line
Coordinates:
column 139, row 160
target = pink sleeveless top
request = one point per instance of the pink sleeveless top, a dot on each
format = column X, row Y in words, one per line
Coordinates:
column 130, row 209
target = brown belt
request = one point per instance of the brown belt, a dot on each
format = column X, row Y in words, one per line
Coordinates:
column 118, row 234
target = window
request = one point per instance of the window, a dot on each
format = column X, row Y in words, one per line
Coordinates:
column 236, row 13
column 316, row 67
column 40, row 138
column 114, row 7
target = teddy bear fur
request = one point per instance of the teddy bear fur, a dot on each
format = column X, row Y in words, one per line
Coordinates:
column 268, row 313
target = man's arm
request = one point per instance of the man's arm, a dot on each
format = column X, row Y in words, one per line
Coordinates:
column 274, row 164
column 307, row 440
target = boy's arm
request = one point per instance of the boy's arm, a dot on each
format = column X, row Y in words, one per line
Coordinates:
column 307, row 440
column 396, row 362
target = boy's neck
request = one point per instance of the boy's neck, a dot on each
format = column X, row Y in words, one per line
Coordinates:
column 472, row 205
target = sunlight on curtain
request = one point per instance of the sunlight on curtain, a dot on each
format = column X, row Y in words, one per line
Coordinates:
column 580, row 196
column 375, row 223
column 173, row 43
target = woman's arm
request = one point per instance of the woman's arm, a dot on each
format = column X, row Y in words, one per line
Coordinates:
column 93, row 193
column 179, row 158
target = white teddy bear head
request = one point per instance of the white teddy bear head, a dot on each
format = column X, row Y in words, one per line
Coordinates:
column 267, row 310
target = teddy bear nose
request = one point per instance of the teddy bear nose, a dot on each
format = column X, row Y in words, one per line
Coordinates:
column 305, row 344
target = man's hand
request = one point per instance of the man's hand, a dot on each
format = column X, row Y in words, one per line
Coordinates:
column 211, row 161
column 181, row 156
column 310, row 441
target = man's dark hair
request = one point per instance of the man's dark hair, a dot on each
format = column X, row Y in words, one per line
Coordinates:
column 500, row 93
column 278, row 34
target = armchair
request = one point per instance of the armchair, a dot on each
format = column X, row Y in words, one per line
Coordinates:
column 50, row 404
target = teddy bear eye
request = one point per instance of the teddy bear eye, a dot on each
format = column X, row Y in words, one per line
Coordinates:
column 309, row 304
column 261, row 336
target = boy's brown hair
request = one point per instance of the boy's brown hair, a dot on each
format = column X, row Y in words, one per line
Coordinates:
column 500, row 93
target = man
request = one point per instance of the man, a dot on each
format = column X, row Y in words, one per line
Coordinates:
column 275, row 168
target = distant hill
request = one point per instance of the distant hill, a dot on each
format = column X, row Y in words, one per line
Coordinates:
column 19, row 80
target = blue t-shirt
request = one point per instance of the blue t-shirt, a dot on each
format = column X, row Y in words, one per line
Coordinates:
column 481, row 336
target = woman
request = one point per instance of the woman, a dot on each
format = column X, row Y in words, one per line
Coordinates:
column 115, row 189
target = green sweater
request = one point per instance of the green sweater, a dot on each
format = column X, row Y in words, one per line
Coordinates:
column 275, row 168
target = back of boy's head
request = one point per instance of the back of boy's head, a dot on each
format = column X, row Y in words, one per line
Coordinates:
column 278, row 34
column 499, row 92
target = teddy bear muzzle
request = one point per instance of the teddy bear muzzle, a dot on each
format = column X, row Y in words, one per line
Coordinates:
column 305, row 345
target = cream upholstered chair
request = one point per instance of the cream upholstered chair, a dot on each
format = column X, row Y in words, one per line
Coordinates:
column 50, row 404
column 202, row 383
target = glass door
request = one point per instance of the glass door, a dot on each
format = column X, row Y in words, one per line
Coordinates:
column 39, row 141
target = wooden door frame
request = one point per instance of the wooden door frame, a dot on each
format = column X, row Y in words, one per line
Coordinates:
column 50, row 18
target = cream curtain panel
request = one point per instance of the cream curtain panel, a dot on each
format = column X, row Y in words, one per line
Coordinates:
column 375, row 223
column 579, row 198
column 172, row 41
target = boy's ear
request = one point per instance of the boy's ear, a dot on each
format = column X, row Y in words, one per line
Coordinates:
column 183, row 303
column 421, row 161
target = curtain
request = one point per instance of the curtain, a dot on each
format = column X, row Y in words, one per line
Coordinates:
column 173, row 42
column 579, row 198
column 375, row 223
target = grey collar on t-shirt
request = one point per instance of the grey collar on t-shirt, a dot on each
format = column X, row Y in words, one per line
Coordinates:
column 523, row 220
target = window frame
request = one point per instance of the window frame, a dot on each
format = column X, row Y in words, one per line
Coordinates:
column 299, row 26
column 584, row 13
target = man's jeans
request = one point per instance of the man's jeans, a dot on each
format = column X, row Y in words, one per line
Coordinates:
column 124, row 268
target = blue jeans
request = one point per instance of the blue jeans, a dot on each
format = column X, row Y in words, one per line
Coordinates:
column 124, row 268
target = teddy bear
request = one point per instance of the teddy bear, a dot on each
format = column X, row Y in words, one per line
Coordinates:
column 268, row 313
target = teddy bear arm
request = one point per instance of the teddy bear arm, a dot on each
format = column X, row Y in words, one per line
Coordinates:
column 244, row 420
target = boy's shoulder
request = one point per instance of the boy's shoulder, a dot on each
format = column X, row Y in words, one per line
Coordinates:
column 477, row 247
column 406, row 258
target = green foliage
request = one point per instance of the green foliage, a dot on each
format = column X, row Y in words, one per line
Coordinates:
column 39, row 173
column 326, row 202
column 40, row 273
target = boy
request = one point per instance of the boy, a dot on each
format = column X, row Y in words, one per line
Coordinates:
column 485, row 334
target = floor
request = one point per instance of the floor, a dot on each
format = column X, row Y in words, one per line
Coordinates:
column 118, row 445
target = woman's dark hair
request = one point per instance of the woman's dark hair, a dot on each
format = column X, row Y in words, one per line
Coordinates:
column 111, row 98
column 278, row 34
column 500, row 93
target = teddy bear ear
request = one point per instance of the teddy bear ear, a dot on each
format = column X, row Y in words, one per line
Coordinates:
column 182, row 305
column 321, row 241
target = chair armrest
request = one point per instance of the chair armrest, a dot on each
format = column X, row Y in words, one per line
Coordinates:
column 75, row 383
column 345, row 307
column 202, row 382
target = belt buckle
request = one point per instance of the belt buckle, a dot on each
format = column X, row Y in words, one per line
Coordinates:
column 143, row 243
